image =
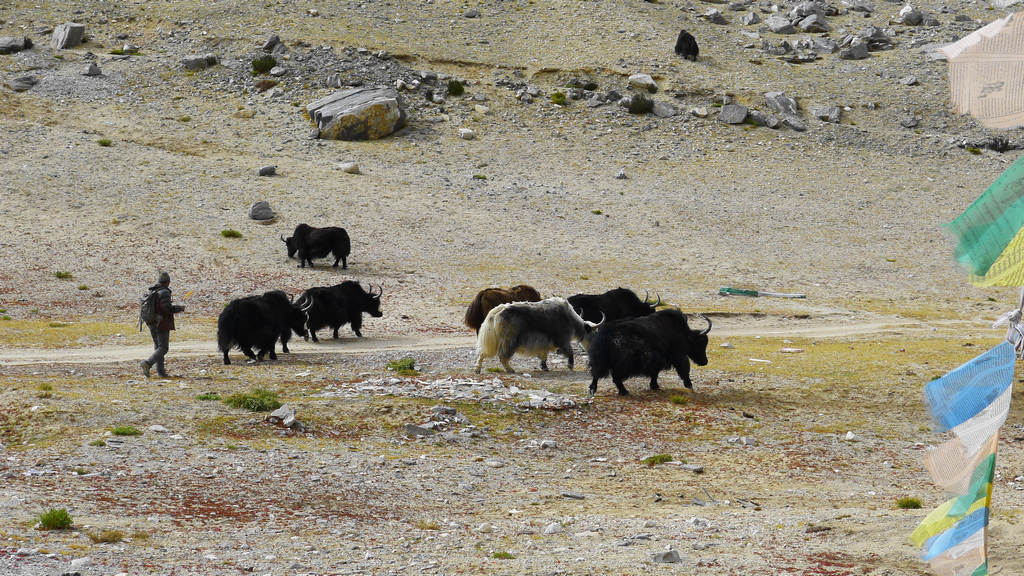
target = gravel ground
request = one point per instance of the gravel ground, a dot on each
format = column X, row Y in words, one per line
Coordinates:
column 802, row 456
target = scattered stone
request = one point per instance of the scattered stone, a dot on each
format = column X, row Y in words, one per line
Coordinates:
column 485, row 528
column 643, row 82
column 814, row 23
column 733, row 114
column 81, row 563
column 358, row 114
column 12, row 44
column 667, row 557
column 695, row 468
column 851, row 437
column 780, row 25
column 860, row 6
column 700, row 111
column 494, row 463
column 67, row 35
column 158, row 429
column 875, row 38
column 548, row 444
column 199, row 62
column 908, row 121
column 621, row 174
column 244, row 113
column 278, row 71
column 826, row 113
column 715, row 16
column 781, row 104
column 285, row 416
column 909, row 80
column 909, row 15
column 471, row 13
column 414, row 430
column 856, row 51
column 789, row 350
column 22, row 83
column 92, row 70
column 750, row 18
column 573, row 495
column 761, row 119
column 272, row 43
column 130, row 49
column 663, row 109
column 794, row 123
column 268, row 170
column 261, row 210
column 348, row 167
column 553, row 528
column 466, row 133
column 479, row 109
column 727, row 345
column 805, row 9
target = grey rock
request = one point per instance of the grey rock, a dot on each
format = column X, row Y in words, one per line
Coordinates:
column 466, row 133
column 715, row 16
column 750, row 18
column 199, row 62
column 348, row 167
column 414, row 430
column 278, row 71
column 494, row 463
column 875, row 38
column 908, row 121
column 643, row 82
column 471, row 13
column 573, row 495
column 667, row 557
column 814, row 23
column 824, row 45
column 930, row 21
column 261, row 210
column 860, row 6
column 700, row 111
column 272, row 43
column 733, row 114
column 485, row 528
column 285, row 416
column 553, row 528
column 12, row 44
column 621, row 174
column 909, row 80
column 22, row 83
column 158, row 429
column 794, row 123
column 804, row 9
column 358, row 114
column 267, row 170
column 856, row 51
column 780, row 25
column 762, row 119
column 781, row 104
column 595, row 101
column 92, row 70
column 548, row 444
column 909, row 15
column 67, row 35
column 663, row 109
column 827, row 113
column 695, row 468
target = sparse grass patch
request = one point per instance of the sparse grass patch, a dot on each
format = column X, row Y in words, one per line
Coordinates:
column 479, row 177
column 62, row 275
column 105, row 536
column 908, row 503
column 98, row 442
column 58, row 325
column 503, row 555
column 229, row 233
column 83, row 286
column 125, row 431
column 208, row 396
column 495, row 369
column 974, row 150
column 404, row 366
column 55, row 519
column 679, row 400
column 652, row 461
column 426, row 525
column 105, row 142
column 597, row 211
column 140, row 535
column 259, row 400
column 559, row 99
column 263, row 64
column 455, row 88
column 185, row 119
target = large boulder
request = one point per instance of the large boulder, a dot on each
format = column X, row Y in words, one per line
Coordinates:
column 12, row 44
column 67, row 35
column 358, row 114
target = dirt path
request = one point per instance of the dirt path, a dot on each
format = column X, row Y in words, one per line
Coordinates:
column 196, row 348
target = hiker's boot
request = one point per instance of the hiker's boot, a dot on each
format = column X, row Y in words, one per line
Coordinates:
column 145, row 368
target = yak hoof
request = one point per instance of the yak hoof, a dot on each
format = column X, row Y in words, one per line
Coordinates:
column 623, row 392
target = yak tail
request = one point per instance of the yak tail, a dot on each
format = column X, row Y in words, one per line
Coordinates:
column 488, row 338
column 599, row 355
column 225, row 330
column 475, row 313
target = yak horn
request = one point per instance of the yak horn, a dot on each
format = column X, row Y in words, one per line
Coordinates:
column 380, row 290
column 708, row 320
column 603, row 317
column 646, row 294
column 282, row 239
column 658, row 303
column 306, row 307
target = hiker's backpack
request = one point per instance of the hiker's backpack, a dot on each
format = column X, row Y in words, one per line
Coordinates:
column 147, row 309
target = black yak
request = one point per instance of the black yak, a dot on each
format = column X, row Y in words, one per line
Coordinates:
column 686, row 46
column 490, row 297
column 334, row 306
column 646, row 346
column 612, row 305
column 534, row 328
column 309, row 242
column 259, row 321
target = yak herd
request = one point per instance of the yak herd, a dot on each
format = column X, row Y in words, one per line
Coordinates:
column 623, row 335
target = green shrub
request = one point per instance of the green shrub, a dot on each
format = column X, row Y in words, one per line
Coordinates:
column 263, row 64
column 259, row 400
column 104, row 142
column 403, row 366
column 657, row 459
column 62, row 275
column 125, row 431
column 108, row 535
column 185, row 119
column 83, row 287
column 974, row 150
column 596, row 211
column 455, row 88
column 98, row 442
column 503, row 555
column 680, row 400
column 908, row 503
column 559, row 98
column 479, row 177
column 208, row 396
column 229, row 233
column 55, row 519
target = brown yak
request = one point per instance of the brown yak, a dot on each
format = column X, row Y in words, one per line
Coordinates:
column 490, row 297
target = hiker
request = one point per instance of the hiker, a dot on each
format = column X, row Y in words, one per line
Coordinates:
column 159, row 316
